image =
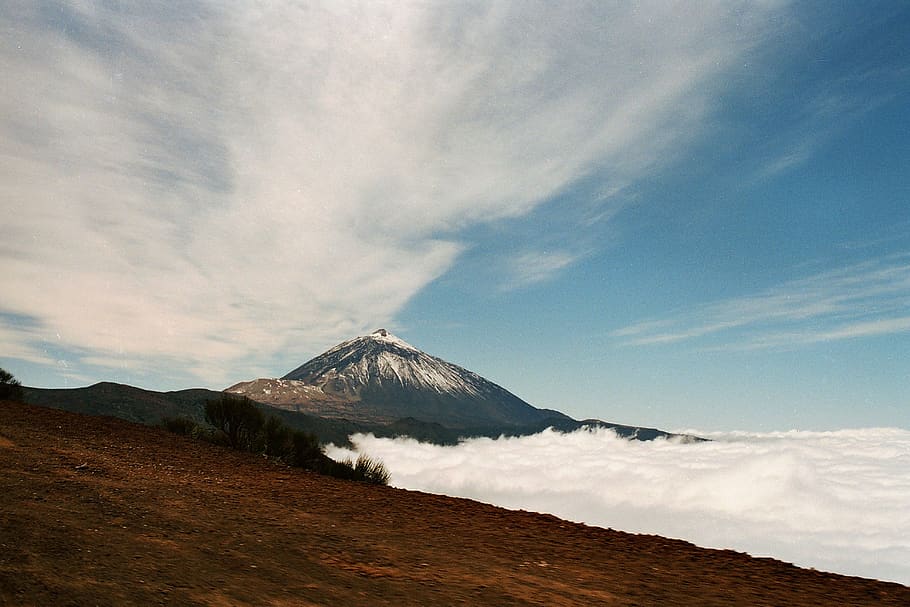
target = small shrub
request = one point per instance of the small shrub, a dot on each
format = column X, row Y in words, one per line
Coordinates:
column 365, row 469
column 239, row 424
column 185, row 426
column 10, row 388
column 277, row 440
column 238, row 419
column 343, row 470
column 371, row 470
column 307, row 452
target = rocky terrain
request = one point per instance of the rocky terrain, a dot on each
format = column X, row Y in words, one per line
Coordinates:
column 100, row 511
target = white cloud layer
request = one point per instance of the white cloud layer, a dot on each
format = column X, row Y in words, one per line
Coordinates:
column 188, row 188
column 836, row 501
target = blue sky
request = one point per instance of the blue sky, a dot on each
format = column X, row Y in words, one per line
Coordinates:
column 685, row 216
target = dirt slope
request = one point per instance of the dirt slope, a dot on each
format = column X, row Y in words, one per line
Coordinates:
column 101, row 511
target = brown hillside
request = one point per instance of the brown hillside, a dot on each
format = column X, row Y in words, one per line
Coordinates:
column 101, row 511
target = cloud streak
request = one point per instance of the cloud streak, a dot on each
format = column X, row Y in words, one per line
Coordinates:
column 862, row 300
column 186, row 192
column 532, row 267
column 835, row 501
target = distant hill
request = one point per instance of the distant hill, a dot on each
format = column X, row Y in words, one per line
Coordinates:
column 150, row 408
column 126, row 402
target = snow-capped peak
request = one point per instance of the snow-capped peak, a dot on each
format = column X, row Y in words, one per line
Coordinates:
column 386, row 337
column 381, row 376
column 382, row 359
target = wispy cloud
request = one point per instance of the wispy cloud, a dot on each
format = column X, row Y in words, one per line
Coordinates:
column 790, row 495
column 532, row 267
column 791, row 157
column 837, row 104
column 226, row 183
column 862, row 300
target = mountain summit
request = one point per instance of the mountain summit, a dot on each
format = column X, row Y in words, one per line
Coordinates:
column 382, row 360
column 381, row 377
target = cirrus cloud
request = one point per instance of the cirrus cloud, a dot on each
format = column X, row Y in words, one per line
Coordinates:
column 197, row 190
column 861, row 300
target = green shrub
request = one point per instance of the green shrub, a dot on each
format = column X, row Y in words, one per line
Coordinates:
column 277, row 440
column 238, row 423
column 238, row 419
column 371, row 470
column 185, row 426
column 10, row 388
column 180, row 425
column 365, row 469
column 343, row 470
column 307, row 451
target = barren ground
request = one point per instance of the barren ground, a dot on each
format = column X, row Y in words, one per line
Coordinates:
column 98, row 511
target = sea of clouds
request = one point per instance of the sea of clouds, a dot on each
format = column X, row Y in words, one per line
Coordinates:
column 835, row 501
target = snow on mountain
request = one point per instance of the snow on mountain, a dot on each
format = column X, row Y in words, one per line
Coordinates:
column 270, row 387
column 384, row 359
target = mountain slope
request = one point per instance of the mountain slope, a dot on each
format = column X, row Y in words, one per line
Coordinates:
column 126, row 402
column 379, row 377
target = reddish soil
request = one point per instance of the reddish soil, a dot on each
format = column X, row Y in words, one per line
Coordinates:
column 98, row 511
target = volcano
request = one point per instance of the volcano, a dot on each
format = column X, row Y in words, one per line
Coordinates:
column 381, row 378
